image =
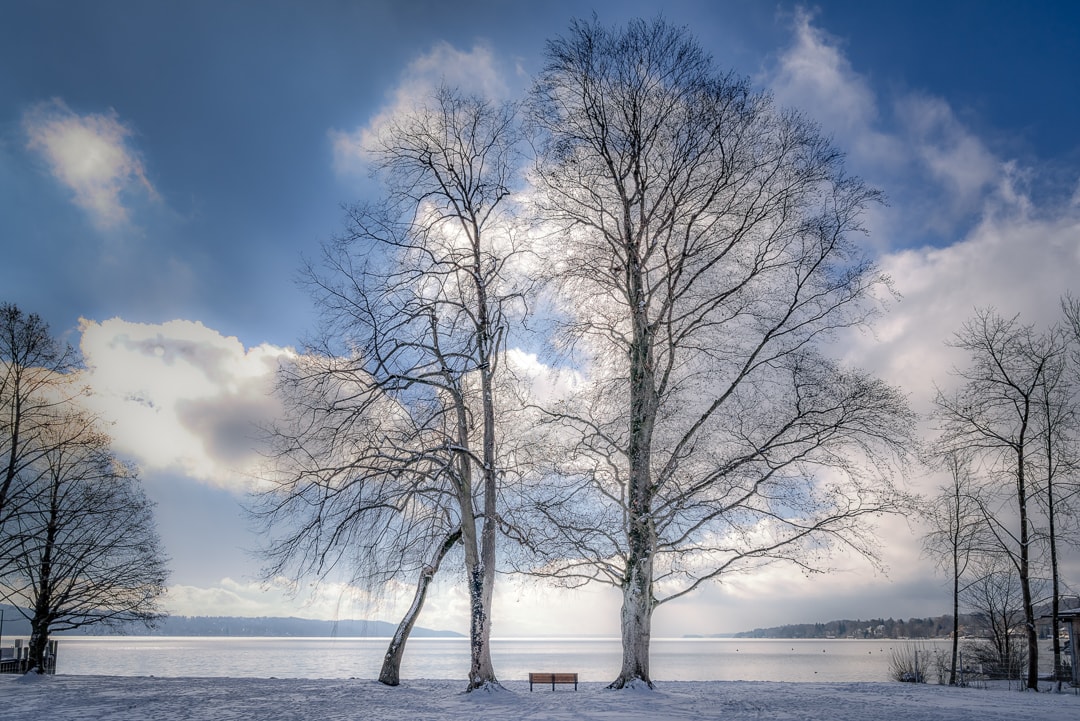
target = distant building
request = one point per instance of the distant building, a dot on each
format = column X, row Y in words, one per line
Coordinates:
column 1071, row 620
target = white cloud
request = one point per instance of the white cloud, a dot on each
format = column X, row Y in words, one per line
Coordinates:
column 473, row 72
column 934, row 170
column 1014, row 261
column 812, row 69
column 1006, row 250
column 814, row 76
column 182, row 396
column 229, row 597
column 957, row 160
column 92, row 156
column 541, row 382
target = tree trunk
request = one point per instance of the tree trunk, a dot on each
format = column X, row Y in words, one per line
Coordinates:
column 39, row 624
column 1050, row 448
column 481, row 592
column 391, row 667
column 481, row 669
column 39, row 640
column 637, row 585
column 1055, row 580
column 1032, row 681
column 955, row 622
column 482, row 587
column 482, row 576
column 636, row 621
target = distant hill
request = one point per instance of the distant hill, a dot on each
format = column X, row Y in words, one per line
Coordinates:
column 971, row 624
column 277, row 626
column 16, row 625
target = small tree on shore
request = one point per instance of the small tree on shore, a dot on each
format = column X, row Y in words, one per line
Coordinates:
column 956, row 524
column 85, row 550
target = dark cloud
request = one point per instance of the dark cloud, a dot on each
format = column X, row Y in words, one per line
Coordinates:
column 227, row 426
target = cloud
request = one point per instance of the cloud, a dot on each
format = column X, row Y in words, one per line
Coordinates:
column 956, row 160
column 280, row 597
column 474, row 72
column 813, row 68
column 936, row 173
column 181, row 396
column 92, row 156
column 961, row 231
column 814, row 76
column 1015, row 259
column 541, row 383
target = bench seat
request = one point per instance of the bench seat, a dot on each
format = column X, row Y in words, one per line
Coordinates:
column 552, row 678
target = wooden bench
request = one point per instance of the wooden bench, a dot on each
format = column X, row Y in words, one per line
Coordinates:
column 552, row 678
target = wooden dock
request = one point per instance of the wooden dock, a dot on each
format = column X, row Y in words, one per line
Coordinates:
column 17, row 659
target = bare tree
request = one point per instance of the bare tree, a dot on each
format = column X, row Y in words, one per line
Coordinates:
column 390, row 448
column 85, row 547
column 956, row 520
column 997, row 414
column 701, row 255
column 1061, row 448
column 1058, row 450
column 359, row 484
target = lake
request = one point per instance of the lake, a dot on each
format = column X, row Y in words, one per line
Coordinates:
column 595, row 659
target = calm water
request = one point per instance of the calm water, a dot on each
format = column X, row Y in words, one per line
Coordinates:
column 593, row 659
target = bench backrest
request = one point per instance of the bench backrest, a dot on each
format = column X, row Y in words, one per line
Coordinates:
column 553, row 678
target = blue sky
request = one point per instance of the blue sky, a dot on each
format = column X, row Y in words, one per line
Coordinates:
column 165, row 165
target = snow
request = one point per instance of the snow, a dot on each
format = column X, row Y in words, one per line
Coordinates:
column 117, row 698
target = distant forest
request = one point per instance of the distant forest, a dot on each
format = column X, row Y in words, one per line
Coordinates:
column 935, row 627
column 971, row 624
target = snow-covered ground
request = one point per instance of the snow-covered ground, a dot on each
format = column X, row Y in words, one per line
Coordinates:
column 111, row 698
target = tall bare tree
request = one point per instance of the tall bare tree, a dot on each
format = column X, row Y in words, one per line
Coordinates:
column 997, row 414
column 85, row 547
column 1060, row 405
column 1058, row 450
column 391, row 446
column 702, row 252
column 956, row 522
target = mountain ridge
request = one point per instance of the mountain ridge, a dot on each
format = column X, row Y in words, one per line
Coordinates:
column 281, row 626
